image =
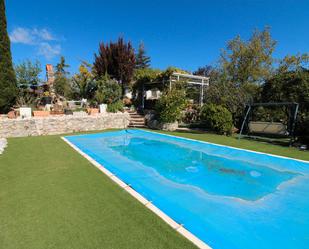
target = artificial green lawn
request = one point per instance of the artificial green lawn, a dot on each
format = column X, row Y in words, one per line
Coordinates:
column 51, row 197
column 244, row 144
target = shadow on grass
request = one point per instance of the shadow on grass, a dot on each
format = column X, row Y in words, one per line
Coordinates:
column 275, row 141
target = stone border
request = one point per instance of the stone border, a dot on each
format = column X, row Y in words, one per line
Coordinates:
column 178, row 227
column 61, row 124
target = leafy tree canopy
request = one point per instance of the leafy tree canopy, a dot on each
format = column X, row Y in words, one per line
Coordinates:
column 142, row 60
column 294, row 63
column 27, row 73
column 83, row 82
column 61, row 67
column 108, row 92
column 146, row 75
column 248, row 61
column 62, row 84
column 204, row 71
column 290, row 86
column 116, row 59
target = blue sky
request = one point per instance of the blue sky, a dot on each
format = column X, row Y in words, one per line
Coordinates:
column 182, row 33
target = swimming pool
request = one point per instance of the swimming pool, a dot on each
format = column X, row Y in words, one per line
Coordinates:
column 227, row 197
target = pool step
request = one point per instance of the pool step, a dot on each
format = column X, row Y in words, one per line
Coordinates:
column 137, row 120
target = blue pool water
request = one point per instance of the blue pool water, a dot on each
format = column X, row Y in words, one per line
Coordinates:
column 229, row 198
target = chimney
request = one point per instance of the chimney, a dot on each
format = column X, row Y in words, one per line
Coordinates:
column 50, row 74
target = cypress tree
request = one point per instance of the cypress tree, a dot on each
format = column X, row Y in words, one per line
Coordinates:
column 142, row 60
column 8, row 84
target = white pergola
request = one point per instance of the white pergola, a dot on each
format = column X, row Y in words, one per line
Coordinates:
column 191, row 79
column 194, row 80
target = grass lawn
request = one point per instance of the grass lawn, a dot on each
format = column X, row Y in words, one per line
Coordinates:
column 51, row 197
column 244, row 144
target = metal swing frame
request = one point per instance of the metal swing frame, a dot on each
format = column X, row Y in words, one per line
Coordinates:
column 292, row 120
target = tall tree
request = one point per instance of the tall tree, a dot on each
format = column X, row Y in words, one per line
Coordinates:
column 27, row 73
column 83, row 82
column 142, row 60
column 116, row 59
column 62, row 83
column 290, row 83
column 243, row 67
column 61, row 67
column 204, row 71
column 295, row 63
column 249, row 61
column 8, row 84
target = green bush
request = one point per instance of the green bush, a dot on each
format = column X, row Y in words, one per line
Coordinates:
column 171, row 104
column 217, row 118
column 115, row 107
column 108, row 92
column 192, row 114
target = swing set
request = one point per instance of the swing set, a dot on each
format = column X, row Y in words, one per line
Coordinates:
column 266, row 122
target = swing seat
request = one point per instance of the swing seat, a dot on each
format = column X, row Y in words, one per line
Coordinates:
column 269, row 128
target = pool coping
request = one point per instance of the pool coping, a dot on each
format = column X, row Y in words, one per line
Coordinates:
column 148, row 204
column 227, row 146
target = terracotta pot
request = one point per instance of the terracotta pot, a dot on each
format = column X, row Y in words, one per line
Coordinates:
column 40, row 113
column 56, row 113
column 93, row 111
column 11, row 114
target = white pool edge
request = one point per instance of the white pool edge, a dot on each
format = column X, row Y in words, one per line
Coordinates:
column 176, row 226
column 226, row 146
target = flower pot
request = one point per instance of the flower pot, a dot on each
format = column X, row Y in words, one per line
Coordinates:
column 40, row 113
column 56, row 112
column 11, row 115
column 103, row 108
column 25, row 112
column 93, row 111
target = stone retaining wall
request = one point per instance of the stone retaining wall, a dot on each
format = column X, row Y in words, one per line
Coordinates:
column 61, row 124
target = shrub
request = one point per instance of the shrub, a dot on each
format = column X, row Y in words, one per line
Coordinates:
column 192, row 114
column 108, row 92
column 171, row 104
column 217, row 118
column 115, row 107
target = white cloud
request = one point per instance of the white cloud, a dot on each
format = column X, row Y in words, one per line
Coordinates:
column 49, row 51
column 43, row 34
column 22, row 35
column 42, row 39
column 31, row 36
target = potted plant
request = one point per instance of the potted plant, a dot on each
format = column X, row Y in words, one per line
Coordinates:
column 93, row 111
